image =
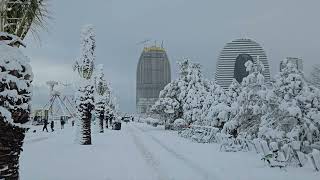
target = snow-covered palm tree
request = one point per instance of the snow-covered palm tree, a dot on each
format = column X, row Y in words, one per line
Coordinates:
column 101, row 97
column 17, row 18
column 85, row 93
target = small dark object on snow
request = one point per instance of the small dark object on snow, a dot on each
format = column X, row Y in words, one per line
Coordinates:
column 116, row 126
column 34, row 131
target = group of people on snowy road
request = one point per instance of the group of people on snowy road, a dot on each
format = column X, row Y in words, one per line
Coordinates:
column 46, row 122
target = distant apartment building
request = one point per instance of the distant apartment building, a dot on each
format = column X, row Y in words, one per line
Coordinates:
column 296, row 61
column 153, row 74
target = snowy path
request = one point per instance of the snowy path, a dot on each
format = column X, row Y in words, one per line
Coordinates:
column 141, row 152
column 180, row 166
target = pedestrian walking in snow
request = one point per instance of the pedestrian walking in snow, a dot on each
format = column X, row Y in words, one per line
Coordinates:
column 52, row 126
column 72, row 123
column 45, row 124
column 110, row 119
column 62, row 122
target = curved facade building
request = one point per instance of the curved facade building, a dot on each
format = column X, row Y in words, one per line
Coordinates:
column 153, row 74
column 232, row 58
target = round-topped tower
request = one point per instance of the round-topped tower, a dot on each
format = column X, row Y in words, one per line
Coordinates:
column 232, row 58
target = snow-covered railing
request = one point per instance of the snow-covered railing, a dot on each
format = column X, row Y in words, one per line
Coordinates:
column 276, row 154
column 201, row 134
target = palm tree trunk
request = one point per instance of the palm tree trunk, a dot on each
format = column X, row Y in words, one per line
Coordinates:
column 11, row 141
column 86, row 128
column 101, row 119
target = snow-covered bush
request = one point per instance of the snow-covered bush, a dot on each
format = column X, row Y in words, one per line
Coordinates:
column 166, row 108
column 294, row 111
column 180, row 124
column 315, row 159
column 218, row 112
column 152, row 121
column 250, row 104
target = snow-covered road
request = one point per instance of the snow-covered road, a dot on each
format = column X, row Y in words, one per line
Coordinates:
column 141, row 152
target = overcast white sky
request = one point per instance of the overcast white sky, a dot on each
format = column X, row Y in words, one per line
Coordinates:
column 197, row 29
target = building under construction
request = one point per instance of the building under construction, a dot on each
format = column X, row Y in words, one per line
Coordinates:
column 153, row 74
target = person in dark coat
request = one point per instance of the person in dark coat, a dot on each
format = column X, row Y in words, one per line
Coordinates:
column 45, row 124
column 52, row 126
column 62, row 122
column 111, row 119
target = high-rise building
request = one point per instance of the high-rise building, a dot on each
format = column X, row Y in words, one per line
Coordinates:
column 296, row 61
column 232, row 58
column 153, row 74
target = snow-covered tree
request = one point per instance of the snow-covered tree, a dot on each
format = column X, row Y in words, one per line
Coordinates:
column 193, row 93
column 293, row 108
column 18, row 17
column 101, row 96
column 250, row 103
column 219, row 111
column 85, row 93
column 112, row 106
column 184, row 97
column 166, row 108
column 15, row 95
column 233, row 91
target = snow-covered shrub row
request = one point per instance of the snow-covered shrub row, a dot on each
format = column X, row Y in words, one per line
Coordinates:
column 179, row 124
column 201, row 134
column 152, row 121
column 283, row 112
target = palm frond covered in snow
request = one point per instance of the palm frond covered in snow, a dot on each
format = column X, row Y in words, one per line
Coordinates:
column 18, row 17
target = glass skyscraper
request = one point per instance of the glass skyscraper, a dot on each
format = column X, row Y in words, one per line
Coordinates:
column 153, row 74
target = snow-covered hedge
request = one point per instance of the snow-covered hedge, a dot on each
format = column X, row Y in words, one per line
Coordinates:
column 179, row 124
column 152, row 121
column 201, row 134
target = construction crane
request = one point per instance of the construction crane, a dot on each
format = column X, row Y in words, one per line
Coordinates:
column 144, row 42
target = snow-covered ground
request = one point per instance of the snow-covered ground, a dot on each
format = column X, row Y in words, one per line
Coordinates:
column 142, row 152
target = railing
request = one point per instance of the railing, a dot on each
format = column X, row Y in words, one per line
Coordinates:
column 275, row 154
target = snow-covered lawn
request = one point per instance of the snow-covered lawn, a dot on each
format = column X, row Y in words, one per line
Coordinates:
column 141, row 152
